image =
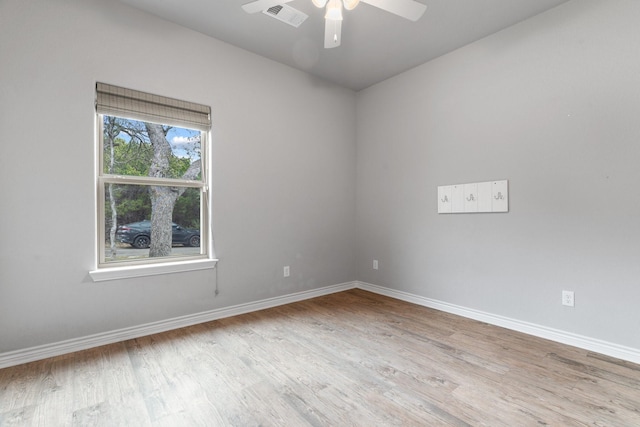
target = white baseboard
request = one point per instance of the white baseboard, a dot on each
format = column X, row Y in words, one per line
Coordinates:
column 580, row 341
column 31, row 354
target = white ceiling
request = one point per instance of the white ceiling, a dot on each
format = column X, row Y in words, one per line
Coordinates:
column 375, row 44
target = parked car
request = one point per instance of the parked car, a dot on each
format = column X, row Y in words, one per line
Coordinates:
column 138, row 234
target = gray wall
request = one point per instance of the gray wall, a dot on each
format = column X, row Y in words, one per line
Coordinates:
column 283, row 182
column 551, row 104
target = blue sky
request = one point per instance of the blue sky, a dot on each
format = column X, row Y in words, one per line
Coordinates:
column 184, row 142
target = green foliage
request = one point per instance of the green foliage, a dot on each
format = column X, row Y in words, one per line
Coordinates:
column 128, row 151
column 187, row 209
column 132, row 150
column 178, row 166
column 132, row 204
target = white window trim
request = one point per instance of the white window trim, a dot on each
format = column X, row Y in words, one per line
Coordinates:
column 106, row 271
column 142, row 270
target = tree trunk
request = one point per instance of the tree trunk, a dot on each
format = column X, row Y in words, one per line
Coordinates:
column 114, row 222
column 163, row 199
column 112, row 199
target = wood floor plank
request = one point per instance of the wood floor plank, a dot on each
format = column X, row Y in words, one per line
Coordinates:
column 352, row 358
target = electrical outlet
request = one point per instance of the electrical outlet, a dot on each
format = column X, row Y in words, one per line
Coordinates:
column 286, row 271
column 375, row 264
column 568, row 298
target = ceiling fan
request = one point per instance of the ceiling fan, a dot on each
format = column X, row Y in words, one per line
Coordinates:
column 408, row 9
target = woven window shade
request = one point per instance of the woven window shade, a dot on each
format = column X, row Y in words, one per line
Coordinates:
column 117, row 101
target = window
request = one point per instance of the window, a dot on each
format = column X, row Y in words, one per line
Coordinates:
column 151, row 180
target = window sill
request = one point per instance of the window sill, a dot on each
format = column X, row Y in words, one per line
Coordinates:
column 128, row 272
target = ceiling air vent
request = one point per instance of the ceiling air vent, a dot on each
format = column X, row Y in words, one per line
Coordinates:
column 286, row 14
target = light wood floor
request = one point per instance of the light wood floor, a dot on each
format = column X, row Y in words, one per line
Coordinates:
column 347, row 359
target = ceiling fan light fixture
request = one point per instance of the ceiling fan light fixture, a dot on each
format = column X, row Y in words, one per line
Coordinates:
column 350, row 4
column 334, row 10
column 319, row 3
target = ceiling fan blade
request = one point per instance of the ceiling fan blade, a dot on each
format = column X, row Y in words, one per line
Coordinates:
column 408, row 9
column 260, row 5
column 332, row 33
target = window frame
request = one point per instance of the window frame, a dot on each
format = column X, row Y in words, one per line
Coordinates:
column 158, row 265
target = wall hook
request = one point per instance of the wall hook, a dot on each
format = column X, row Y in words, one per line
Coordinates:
column 471, row 198
column 499, row 196
column 445, row 200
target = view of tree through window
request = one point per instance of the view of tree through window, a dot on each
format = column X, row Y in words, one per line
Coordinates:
column 152, row 188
